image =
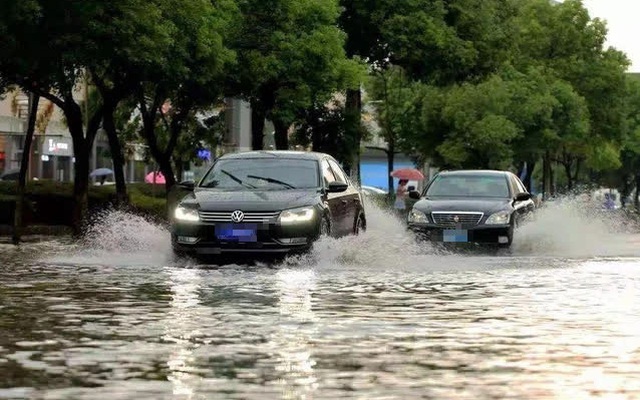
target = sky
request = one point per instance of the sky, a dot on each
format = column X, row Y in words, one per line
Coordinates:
column 623, row 25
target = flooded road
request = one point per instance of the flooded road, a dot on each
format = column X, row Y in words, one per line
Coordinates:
column 369, row 317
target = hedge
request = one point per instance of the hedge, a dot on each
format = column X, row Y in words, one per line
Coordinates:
column 51, row 203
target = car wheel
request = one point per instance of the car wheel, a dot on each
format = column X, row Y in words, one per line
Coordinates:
column 510, row 238
column 360, row 225
column 325, row 227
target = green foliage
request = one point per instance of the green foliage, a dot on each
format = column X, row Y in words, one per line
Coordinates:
column 50, row 202
column 291, row 56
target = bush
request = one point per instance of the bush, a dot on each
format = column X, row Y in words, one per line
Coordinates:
column 51, row 203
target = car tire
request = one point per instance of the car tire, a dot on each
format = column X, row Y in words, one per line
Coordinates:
column 360, row 225
column 325, row 227
column 510, row 236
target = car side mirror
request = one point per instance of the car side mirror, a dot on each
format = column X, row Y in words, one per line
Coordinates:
column 414, row 194
column 187, row 185
column 337, row 187
column 523, row 196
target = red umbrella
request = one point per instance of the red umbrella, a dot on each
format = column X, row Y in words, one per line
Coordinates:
column 410, row 174
column 155, row 177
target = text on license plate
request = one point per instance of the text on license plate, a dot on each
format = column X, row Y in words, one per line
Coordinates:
column 455, row 235
column 237, row 232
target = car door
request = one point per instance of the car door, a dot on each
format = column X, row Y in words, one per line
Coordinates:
column 334, row 200
column 350, row 199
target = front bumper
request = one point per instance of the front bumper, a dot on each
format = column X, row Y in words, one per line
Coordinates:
column 270, row 238
column 481, row 234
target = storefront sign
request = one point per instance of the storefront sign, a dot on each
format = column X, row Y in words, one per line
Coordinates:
column 57, row 147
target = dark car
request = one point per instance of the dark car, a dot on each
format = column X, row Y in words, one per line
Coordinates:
column 471, row 206
column 267, row 202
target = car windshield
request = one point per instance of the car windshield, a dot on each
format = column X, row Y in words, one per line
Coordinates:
column 262, row 174
column 469, row 186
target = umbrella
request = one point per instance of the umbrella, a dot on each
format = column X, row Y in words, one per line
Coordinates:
column 155, row 177
column 100, row 172
column 410, row 174
column 10, row 175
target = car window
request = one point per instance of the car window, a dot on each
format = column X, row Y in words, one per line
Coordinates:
column 519, row 185
column 262, row 173
column 473, row 185
column 337, row 172
column 327, row 174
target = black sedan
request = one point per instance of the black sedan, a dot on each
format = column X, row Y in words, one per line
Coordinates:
column 267, row 202
column 471, row 207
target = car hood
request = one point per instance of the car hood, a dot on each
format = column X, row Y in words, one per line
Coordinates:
column 485, row 205
column 250, row 200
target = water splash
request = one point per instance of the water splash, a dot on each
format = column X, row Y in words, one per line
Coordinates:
column 573, row 227
column 565, row 228
column 118, row 238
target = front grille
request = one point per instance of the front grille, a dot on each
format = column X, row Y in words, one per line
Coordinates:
column 249, row 216
column 464, row 219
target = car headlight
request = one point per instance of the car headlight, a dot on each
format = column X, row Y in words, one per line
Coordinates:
column 297, row 215
column 419, row 217
column 186, row 214
column 499, row 218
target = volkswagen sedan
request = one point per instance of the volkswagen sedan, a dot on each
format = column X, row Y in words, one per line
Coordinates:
column 267, row 202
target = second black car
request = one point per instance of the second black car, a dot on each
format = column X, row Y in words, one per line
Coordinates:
column 471, row 206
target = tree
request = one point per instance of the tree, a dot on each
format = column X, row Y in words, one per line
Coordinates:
column 24, row 165
column 187, row 78
column 397, row 101
column 42, row 53
column 566, row 42
column 290, row 55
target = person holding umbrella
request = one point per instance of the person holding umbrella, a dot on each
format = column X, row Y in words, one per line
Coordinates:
column 404, row 175
column 401, row 195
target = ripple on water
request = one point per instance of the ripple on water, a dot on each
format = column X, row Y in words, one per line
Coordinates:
column 373, row 316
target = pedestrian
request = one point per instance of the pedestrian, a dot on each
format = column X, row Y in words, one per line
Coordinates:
column 401, row 194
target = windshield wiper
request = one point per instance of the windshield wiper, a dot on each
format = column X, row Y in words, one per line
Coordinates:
column 271, row 180
column 235, row 178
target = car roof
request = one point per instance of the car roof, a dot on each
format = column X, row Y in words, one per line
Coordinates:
column 289, row 154
column 478, row 172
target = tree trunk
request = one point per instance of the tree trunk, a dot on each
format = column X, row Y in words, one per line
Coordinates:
column 626, row 186
column 529, row 175
column 258, row 115
column 567, row 170
column 546, row 176
column 179, row 166
column 81, row 150
column 281, row 134
column 390, row 160
column 636, row 200
column 116, row 153
column 24, row 165
column 80, row 185
column 576, row 173
column 552, row 179
column 353, row 130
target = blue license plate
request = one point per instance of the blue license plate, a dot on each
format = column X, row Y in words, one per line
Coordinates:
column 237, row 232
column 455, row 236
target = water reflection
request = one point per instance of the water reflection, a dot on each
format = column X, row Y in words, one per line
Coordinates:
column 181, row 327
column 295, row 333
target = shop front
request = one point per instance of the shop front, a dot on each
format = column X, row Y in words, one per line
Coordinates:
column 56, row 159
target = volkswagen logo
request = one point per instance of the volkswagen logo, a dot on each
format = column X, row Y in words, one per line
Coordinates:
column 456, row 219
column 237, row 216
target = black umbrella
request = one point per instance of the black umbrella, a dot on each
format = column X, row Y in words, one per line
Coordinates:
column 10, row 175
column 100, row 172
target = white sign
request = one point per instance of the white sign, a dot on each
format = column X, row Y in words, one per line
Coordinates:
column 58, row 147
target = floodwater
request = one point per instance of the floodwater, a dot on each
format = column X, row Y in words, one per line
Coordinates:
column 368, row 317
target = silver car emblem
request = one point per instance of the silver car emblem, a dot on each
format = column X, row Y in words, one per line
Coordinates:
column 237, row 216
column 456, row 219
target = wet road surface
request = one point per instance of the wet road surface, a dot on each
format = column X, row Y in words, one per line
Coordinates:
column 372, row 317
